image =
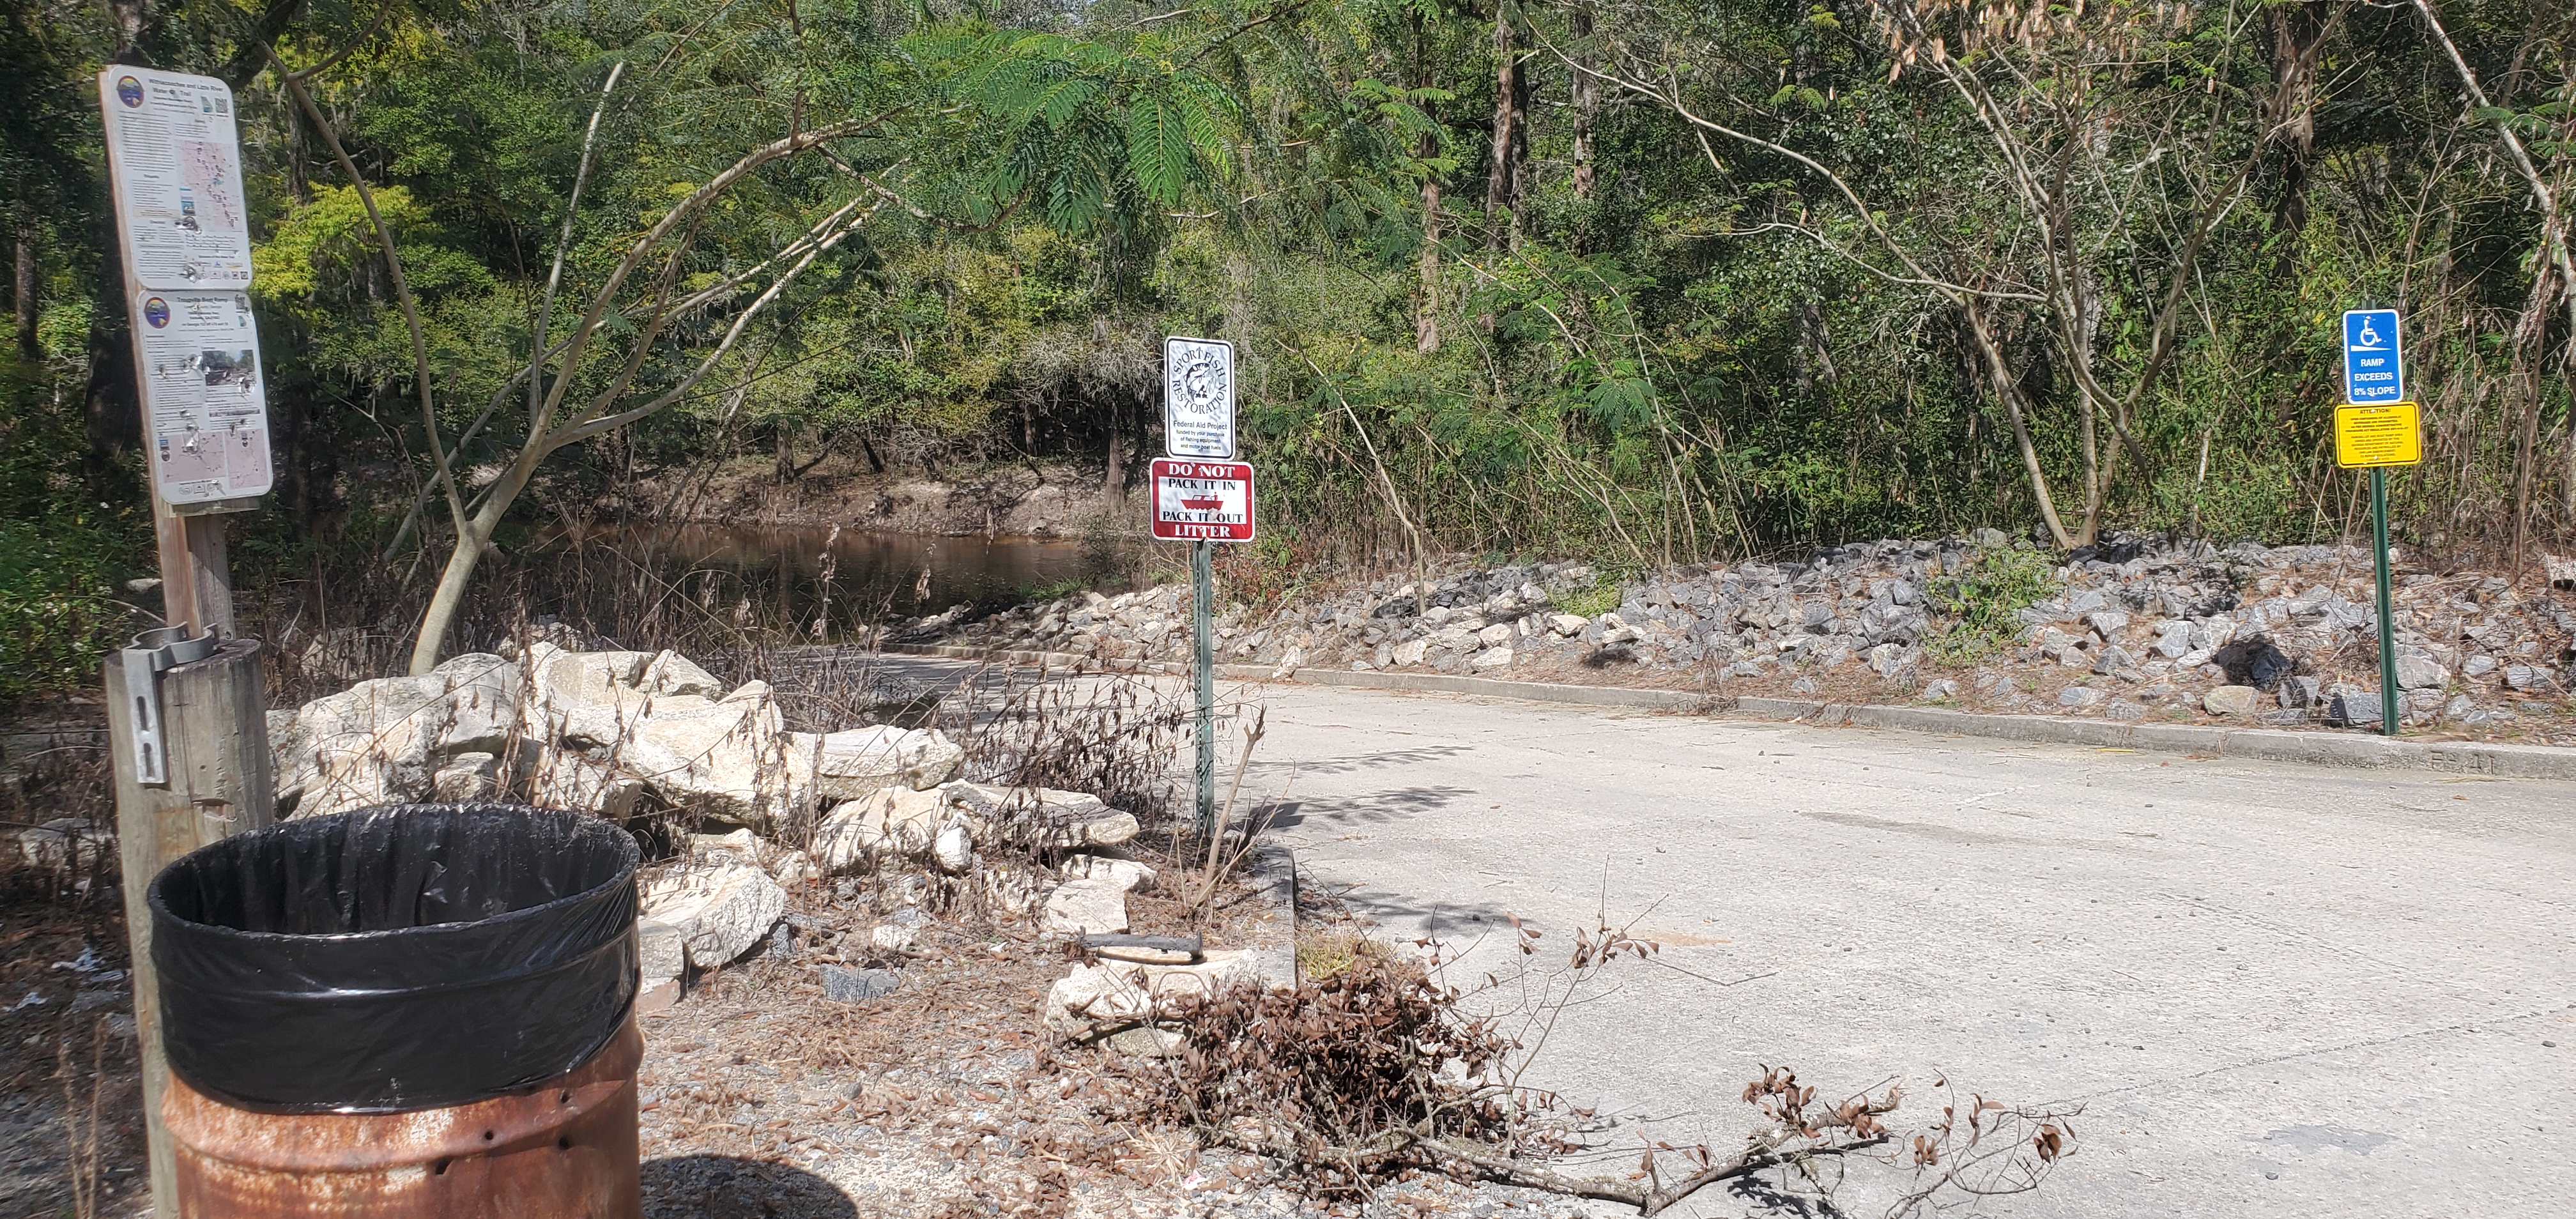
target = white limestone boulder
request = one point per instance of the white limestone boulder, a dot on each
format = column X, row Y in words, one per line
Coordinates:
column 671, row 674
column 720, row 905
column 1100, row 1000
column 1087, row 907
column 888, row 821
column 728, row 759
column 662, row 950
column 954, row 849
column 568, row 780
column 1045, row 816
column 861, row 761
column 384, row 741
column 1127, row 874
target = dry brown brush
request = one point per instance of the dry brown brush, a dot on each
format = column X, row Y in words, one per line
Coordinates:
column 1345, row 1081
column 1379, row 1070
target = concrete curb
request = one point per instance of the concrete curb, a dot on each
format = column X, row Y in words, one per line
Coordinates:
column 1274, row 873
column 2349, row 749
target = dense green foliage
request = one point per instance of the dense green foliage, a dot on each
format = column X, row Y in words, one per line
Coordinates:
column 1636, row 281
column 61, row 558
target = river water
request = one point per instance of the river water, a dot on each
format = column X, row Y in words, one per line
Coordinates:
column 850, row 576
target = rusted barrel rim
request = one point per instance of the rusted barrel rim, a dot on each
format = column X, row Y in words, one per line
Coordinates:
column 373, row 1142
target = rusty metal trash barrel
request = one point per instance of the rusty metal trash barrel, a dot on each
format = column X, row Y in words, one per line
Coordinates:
column 413, row 1010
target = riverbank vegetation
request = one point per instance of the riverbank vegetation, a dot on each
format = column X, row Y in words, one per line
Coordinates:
column 1585, row 278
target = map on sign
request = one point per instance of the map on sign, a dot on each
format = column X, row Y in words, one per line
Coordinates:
column 176, row 162
column 2390, row 435
column 2374, row 369
column 1202, row 501
column 1198, row 398
column 202, row 395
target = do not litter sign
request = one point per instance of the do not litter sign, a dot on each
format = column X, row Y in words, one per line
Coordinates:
column 1202, row 501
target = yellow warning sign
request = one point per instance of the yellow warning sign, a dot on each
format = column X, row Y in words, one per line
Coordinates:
column 2390, row 434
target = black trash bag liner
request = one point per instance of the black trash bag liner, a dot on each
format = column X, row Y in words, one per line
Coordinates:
column 408, row 957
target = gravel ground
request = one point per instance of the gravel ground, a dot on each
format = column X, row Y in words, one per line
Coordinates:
column 66, row 1041
column 762, row 1097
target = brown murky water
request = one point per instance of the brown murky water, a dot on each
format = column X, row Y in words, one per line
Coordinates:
column 849, row 577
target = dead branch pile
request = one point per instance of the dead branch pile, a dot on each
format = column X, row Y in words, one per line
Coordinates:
column 1345, row 1081
column 1376, row 1071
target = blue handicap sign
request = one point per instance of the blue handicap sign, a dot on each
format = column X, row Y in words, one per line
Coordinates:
column 2374, row 370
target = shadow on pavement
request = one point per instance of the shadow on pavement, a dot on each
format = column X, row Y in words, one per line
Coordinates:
column 1459, row 926
column 1353, row 763
column 1372, row 809
column 731, row 1187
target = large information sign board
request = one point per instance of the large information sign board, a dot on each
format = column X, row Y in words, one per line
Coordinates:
column 201, row 376
column 176, row 162
column 1198, row 398
column 1202, row 501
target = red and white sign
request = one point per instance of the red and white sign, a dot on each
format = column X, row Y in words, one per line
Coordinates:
column 1202, row 501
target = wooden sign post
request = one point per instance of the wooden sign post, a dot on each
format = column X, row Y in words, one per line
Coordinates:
column 187, row 703
column 210, row 759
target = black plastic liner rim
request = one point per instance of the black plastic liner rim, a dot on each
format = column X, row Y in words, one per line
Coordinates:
column 634, row 863
column 409, row 1082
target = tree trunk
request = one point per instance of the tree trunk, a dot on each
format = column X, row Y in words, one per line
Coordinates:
column 1587, row 98
column 876, row 464
column 111, row 418
column 2295, row 31
column 24, row 298
column 475, row 537
column 2530, row 343
column 439, row 619
column 1426, row 299
column 2567, row 482
column 291, row 422
column 1507, row 93
column 139, row 33
column 1524, row 84
column 2008, row 390
column 1116, row 484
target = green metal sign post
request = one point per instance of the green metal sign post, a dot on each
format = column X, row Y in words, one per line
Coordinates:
column 2387, row 626
column 1203, row 664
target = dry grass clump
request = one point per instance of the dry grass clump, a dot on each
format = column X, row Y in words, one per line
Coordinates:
column 1326, row 953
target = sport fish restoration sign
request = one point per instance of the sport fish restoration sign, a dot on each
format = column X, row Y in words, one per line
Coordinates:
column 204, row 395
column 1202, row 501
column 175, row 162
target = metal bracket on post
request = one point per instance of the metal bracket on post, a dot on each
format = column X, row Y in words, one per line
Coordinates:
column 162, row 647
